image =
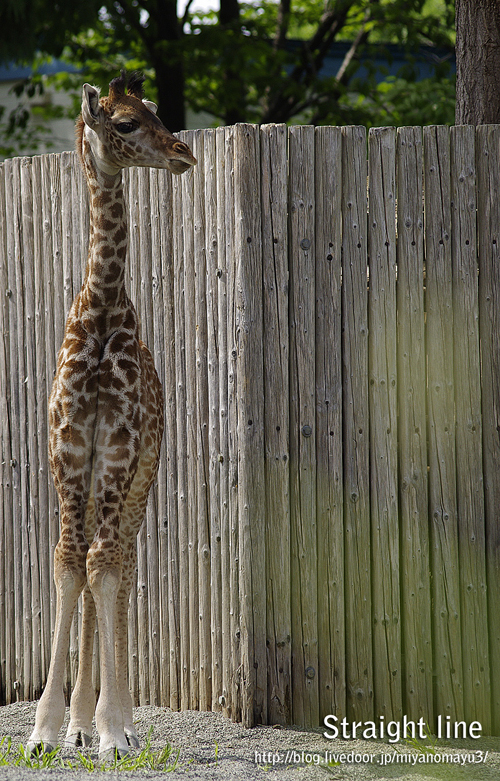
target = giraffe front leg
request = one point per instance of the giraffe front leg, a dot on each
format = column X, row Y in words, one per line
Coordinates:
column 83, row 701
column 69, row 579
column 121, row 649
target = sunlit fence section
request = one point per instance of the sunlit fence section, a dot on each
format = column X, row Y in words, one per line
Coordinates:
column 323, row 305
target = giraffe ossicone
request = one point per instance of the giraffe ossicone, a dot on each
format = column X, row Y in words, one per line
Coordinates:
column 105, row 428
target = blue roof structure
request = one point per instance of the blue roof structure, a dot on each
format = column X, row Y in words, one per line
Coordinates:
column 385, row 59
column 12, row 71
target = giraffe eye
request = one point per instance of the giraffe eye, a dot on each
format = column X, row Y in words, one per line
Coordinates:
column 125, row 127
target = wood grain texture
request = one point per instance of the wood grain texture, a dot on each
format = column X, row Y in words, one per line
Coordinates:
column 304, row 555
column 223, row 174
column 488, row 215
column 191, row 431
column 18, row 374
column 202, row 427
column 210, row 185
column 10, row 393
column 232, row 325
column 329, row 447
column 30, row 538
column 5, row 467
column 441, row 424
column 470, row 482
column 382, row 364
column 250, row 424
column 273, row 145
column 412, row 433
column 181, row 439
column 169, row 520
column 359, row 658
column 157, row 518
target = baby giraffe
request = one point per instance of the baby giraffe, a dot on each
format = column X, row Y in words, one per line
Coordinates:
column 106, row 424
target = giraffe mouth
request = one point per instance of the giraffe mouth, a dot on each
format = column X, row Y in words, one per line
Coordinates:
column 178, row 166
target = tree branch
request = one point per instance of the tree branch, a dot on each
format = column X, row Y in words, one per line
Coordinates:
column 361, row 37
column 284, row 9
column 280, row 106
column 186, row 12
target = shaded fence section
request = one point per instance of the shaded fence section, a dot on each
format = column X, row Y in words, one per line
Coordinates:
column 323, row 537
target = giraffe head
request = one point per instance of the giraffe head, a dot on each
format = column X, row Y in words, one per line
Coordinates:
column 123, row 130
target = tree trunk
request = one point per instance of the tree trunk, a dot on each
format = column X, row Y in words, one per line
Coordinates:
column 229, row 17
column 478, row 62
column 170, row 86
column 163, row 39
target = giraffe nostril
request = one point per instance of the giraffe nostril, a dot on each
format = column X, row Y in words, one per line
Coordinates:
column 180, row 147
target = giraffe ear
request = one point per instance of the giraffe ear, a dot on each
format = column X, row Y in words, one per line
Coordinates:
column 150, row 105
column 91, row 109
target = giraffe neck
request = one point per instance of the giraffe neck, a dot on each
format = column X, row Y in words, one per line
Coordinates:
column 103, row 296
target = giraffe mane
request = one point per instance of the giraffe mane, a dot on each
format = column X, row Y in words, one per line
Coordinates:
column 135, row 85
column 132, row 83
column 79, row 127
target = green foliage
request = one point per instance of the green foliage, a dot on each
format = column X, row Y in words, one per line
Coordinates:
column 164, row 760
column 29, row 26
column 430, row 745
column 22, row 758
column 263, row 65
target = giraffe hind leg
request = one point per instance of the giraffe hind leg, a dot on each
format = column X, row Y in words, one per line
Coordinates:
column 104, row 572
column 70, row 577
column 83, row 699
column 121, row 648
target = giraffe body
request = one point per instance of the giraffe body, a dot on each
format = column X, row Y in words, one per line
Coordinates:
column 106, row 424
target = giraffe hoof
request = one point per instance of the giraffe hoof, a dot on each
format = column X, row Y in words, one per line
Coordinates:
column 132, row 739
column 78, row 740
column 38, row 747
column 113, row 754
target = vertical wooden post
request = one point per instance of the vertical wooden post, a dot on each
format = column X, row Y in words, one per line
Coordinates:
column 412, row 434
column 49, row 347
column 11, row 433
column 210, row 185
column 383, row 424
column 19, row 455
column 488, row 216
column 441, row 425
column 329, row 447
column 223, row 165
column 359, row 639
column 191, row 430
column 273, row 145
column 250, row 423
column 5, row 484
column 169, row 540
column 202, row 425
column 232, row 426
column 182, row 477
column 470, row 485
column 31, row 583
column 157, row 517
column 304, row 551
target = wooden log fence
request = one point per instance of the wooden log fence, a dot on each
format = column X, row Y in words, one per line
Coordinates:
column 323, row 306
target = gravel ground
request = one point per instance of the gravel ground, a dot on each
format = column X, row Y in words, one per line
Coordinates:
column 210, row 747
